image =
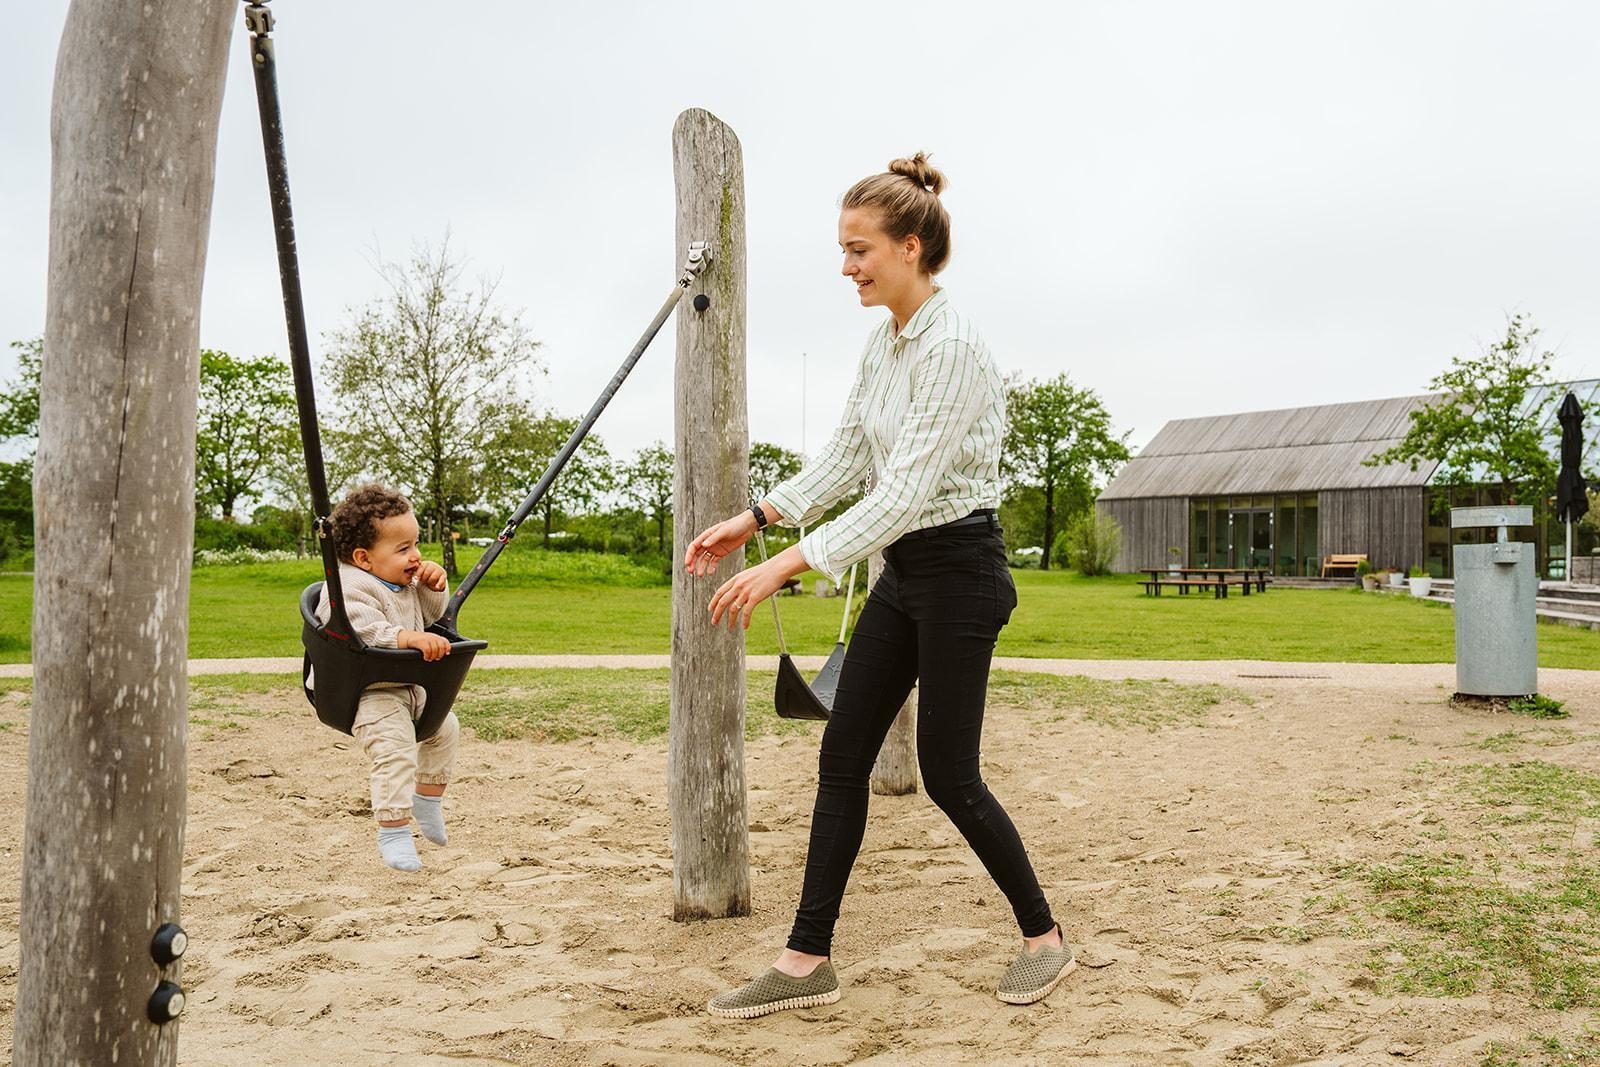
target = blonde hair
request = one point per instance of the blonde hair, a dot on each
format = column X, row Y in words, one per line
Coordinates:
column 906, row 198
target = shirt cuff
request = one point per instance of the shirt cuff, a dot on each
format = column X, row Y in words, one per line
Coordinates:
column 814, row 550
column 790, row 504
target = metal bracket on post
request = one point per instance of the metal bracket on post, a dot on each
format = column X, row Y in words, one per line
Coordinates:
column 257, row 18
column 699, row 259
column 1502, row 518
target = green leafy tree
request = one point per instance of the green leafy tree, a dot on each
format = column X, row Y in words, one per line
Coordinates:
column 245, row 425
column 425, row 378
column 19, row 405
column 521, row 453
column 771, row 464
column 1059, row 440
column 19, row 428
column 647, row 482
column 1483, row 423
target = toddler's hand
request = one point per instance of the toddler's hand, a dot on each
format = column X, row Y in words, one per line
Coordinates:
column 432, row 646
column 432, row 575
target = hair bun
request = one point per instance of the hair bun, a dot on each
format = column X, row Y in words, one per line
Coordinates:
column 919, row 170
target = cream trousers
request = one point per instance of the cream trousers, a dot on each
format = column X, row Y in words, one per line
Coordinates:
column 386, row 727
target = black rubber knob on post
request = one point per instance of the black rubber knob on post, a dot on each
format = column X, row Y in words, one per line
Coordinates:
column 701, row 301
column 169, row 944
column 166, row 1003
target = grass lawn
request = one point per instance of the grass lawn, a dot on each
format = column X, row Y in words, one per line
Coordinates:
column 536, row 602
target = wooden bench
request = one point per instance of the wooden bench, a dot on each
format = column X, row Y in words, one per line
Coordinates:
column 1218, row 587
column 1342, row 565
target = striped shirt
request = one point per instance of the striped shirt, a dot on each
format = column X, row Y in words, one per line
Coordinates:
column 925, row 418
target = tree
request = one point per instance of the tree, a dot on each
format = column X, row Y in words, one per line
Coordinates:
column 133, row 133
column 245, row 426
column 1483, row 422
column 426, row 377
column 521, row 453
column 771, row 464
column 1058, row 438
column 647, row 481
column 19, row 405
column 19, row 428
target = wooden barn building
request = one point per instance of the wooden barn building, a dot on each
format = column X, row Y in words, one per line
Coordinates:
column 1285, row 489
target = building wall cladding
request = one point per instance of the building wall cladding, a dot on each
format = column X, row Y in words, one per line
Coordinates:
column 1386, row 524
column 1149, row 527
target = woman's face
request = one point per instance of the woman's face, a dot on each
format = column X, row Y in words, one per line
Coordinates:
column 881, row 267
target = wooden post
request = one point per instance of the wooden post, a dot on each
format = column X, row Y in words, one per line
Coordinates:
column 895, row 772
column 705, row 739
column 134, row 130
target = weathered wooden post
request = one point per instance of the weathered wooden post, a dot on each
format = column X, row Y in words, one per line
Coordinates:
column 705, row 740
column 895, row 772
column 134, row 130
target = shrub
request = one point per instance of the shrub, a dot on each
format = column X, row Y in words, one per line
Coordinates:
column 1095, row 541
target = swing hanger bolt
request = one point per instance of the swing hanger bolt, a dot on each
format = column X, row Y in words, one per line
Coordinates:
column 699, row 257
column 257, row 18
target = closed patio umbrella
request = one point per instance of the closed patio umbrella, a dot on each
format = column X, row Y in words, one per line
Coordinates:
column 1572, row 498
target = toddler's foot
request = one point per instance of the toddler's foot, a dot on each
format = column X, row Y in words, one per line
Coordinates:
column 397, row 848
column 429, row 813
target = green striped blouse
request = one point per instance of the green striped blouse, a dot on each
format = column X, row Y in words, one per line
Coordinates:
column 925, row 418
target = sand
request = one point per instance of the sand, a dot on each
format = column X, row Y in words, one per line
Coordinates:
column 1176, row 859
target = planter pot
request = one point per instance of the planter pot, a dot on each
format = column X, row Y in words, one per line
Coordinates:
column 1420, row 587
column 1173, row 568
column 1397, row 579
column 1369, row 583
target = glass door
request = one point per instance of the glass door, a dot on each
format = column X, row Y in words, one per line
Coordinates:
column 1250, row 538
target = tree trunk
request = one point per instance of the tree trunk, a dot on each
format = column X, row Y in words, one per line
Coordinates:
column 895, row 773
column 546, row 510
column 137, row 94
column 447, row 544
column 1049, row 524
column 705, row 743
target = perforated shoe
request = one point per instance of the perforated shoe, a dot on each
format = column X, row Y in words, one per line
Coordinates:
column 776, row 991
column 1033, row 974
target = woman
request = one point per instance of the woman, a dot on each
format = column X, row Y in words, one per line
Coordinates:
column 926, row 414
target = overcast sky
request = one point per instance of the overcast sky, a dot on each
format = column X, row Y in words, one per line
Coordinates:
column 1191, row 208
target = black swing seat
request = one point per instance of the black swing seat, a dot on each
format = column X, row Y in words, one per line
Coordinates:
column 794, row 698
column 344, row 670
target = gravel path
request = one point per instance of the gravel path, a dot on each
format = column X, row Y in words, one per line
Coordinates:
column 1561, row 682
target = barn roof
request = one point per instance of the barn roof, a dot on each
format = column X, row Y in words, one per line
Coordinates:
column 1295, row 450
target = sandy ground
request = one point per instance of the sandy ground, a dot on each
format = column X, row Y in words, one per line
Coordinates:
column 540, row 934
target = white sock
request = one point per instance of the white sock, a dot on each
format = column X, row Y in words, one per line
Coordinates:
column 429, row 813
column 397, row 849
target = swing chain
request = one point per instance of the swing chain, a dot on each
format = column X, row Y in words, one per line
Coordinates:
column 257, row 18
column 323, row 527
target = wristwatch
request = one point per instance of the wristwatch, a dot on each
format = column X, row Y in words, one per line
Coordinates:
column 761, row 516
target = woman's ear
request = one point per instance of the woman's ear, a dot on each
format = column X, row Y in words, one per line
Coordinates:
column 911, row 249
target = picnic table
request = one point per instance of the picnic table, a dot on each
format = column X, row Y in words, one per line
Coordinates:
column 1216, row 579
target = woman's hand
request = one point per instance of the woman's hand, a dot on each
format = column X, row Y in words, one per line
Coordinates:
column 707, row 550
column 738, row 596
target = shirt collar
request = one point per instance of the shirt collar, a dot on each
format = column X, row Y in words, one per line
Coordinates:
column 392, row 587
column 924, row 315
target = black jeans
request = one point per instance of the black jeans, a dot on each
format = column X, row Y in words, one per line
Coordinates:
column 933, row 617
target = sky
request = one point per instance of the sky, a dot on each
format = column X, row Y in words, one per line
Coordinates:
column 1192, row 209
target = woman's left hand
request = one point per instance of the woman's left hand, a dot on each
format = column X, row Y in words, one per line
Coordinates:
column 738, row 596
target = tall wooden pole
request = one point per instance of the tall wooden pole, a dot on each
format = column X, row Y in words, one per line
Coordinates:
column 705, row 737
column 895, row 772
column 133, row 131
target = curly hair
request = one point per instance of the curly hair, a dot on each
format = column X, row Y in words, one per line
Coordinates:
column 355, row 520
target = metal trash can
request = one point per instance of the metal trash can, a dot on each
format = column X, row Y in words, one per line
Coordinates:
column 1497, row 648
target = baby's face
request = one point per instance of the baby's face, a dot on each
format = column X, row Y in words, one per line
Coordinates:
column 393, row 556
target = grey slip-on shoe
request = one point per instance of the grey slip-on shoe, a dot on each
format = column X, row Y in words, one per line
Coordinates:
column 1032, row 975
column 776, row 991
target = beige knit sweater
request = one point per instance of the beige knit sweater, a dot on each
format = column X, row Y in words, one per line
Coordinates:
column 379, row 613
